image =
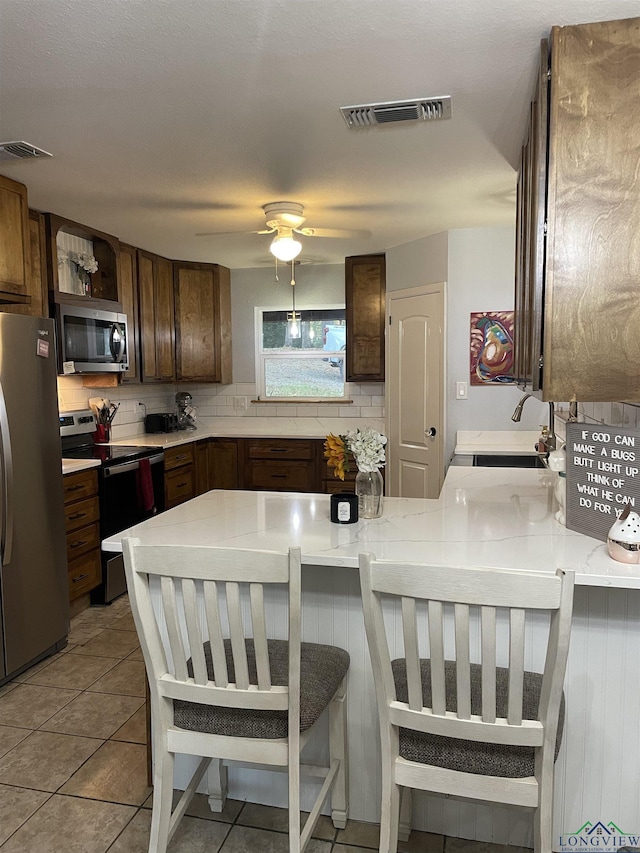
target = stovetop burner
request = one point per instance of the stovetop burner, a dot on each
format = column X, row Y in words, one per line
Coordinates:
column 77, row 433
column 109, row 454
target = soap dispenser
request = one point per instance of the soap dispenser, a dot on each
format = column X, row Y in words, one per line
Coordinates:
column 543, row 441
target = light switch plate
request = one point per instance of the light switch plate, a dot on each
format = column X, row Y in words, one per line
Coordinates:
column 461, row 390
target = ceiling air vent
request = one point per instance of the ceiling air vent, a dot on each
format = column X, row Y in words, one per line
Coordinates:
column 421, row 109
column 21, row 151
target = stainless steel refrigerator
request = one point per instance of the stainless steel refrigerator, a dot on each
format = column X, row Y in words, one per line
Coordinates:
column 34, row 596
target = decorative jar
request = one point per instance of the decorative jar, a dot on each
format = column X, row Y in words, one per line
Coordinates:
column 369, row 489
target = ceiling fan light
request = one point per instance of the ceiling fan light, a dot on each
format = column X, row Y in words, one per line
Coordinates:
column 285, row 248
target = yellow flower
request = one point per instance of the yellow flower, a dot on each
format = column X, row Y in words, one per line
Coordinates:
column 335, row 451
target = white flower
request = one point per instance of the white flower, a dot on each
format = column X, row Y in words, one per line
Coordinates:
column 83, row 260
column 367, row 446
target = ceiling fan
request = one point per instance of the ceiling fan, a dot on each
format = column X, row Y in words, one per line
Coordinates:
column 284, row 219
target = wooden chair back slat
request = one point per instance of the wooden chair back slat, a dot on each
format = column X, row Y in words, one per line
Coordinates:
column 476, row 716
column 488, row 639
column 412, row 654
column 194, row 631
column 214, row 628
column 193, row 608
column 516, row 666
column 170, row 610
column 463, row 665
column 436, row 653
column 260, row 636
column 236, row 634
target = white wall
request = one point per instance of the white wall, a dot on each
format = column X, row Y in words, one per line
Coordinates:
column 481, row 276
column 424, row 261
column 257, row 288
column 477, row 265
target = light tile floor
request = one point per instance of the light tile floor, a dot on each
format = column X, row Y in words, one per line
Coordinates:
column 73, row 772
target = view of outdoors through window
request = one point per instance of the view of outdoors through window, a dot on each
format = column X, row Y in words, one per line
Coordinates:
column 310, row 365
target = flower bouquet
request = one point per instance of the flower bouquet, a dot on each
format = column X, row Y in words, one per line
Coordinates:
column 367, row 448
column 85, row 264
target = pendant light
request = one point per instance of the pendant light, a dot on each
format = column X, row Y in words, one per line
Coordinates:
column 294, row 321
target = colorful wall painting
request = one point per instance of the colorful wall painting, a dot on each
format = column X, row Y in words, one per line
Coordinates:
column 491, row 350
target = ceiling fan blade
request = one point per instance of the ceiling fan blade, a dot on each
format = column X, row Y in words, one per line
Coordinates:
column 331, row 232
column 229, row 233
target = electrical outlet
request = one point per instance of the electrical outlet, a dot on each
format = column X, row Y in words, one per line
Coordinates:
column 239, row 402
column 141, row 409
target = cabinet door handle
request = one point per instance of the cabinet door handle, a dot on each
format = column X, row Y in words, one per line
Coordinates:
column 181, row 485
column 278, row 450
column 278, row 476
column 74, row 488
column 77, row 515
column 79, row 543
column 80, row 578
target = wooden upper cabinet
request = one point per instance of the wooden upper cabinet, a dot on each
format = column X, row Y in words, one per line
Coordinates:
column 590, row 300
column 105, row 249
column 38, row 304
column 157, row 323
column 128, row 297
column 531, row 217
column 203, row 322
column 365, row 286
column 15, row 252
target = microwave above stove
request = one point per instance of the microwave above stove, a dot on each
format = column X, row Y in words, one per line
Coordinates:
column 90, row 340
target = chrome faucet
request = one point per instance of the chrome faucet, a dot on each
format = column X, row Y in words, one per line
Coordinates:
column 517, row 414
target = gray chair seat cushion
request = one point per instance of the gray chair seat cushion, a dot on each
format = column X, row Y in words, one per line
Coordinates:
column 322, row 669
column 469, row 756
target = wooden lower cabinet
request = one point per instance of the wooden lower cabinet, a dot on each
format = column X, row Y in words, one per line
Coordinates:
column 265, row 464
column 222, row 463
column 282, row 465
column 82, row 519
column 179, row 474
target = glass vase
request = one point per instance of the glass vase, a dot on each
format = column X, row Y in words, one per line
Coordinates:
column 369, row 488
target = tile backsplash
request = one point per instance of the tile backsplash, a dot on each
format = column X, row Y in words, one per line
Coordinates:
column 214, row 401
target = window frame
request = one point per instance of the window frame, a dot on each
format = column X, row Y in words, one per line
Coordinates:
column 261, row 356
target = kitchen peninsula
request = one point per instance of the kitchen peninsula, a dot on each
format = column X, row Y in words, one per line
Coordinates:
column 493, row 517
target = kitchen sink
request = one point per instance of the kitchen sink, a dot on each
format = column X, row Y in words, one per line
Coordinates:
column 525, row 460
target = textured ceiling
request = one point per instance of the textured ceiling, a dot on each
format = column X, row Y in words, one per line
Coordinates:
column 171, row 117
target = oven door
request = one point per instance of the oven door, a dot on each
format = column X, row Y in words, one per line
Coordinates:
column 127, row 497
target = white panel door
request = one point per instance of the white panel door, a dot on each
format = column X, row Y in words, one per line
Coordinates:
column 415, row 391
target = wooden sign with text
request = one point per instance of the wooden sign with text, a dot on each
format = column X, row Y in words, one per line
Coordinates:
column 603, row 474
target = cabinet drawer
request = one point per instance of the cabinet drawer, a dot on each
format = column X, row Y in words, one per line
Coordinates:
column 179, row 486
column 177, row 456
column 84, row 574
column 82, row 540
column 285, row 476
column 80, row 485
column 281, row 449
column 81, row 513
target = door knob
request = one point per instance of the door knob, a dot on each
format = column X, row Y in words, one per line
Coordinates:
column 431, row 432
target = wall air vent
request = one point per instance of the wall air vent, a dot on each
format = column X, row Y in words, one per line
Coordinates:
column 21, row 151
column 421, row 109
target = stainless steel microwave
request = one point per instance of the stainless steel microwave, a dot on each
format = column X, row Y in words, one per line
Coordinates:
column 90, row 340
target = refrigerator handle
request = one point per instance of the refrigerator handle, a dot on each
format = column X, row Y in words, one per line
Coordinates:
column 6, row 488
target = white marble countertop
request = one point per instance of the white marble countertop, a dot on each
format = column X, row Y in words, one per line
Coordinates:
column 496, row 442
column 251, row 427
column 236, row 428
column 499, row 517
column 72, row 466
